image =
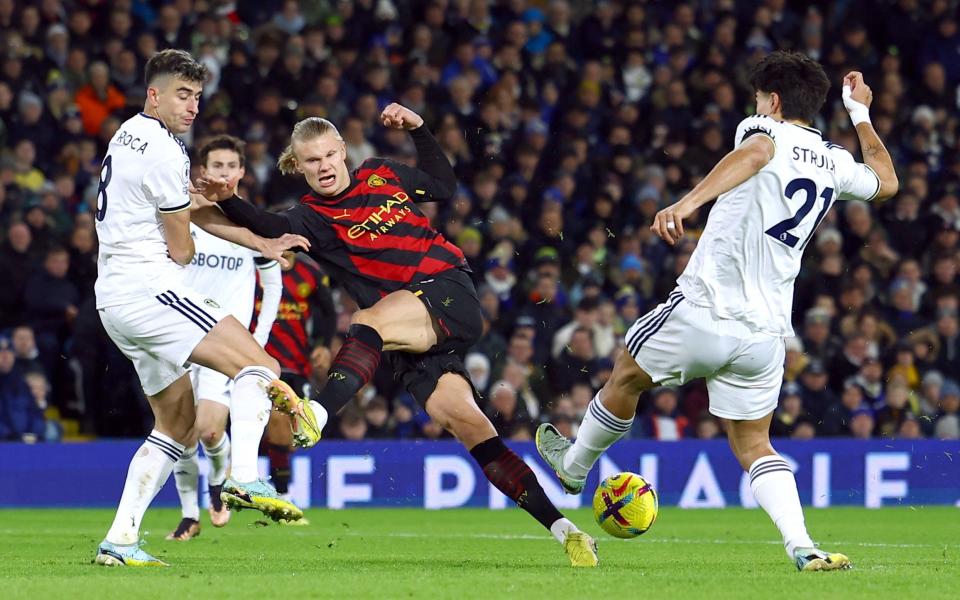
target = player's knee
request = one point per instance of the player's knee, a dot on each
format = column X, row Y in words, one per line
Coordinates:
column 183, row 432
column 748, row 451
column 210, row 436
column 367, row 317
column 272, row 364
column 468, row 426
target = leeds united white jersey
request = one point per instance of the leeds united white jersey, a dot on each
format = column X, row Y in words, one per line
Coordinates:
column 225, row 272
column 749, row 254
column 146, row 172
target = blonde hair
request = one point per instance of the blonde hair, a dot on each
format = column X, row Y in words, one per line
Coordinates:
column 303, row 131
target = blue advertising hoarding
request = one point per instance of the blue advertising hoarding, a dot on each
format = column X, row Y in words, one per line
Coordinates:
column 690, row 474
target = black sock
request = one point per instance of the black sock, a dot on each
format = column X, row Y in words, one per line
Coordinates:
column 513, row 477
column 215, row 500
column 353, row 367
column 279, row 466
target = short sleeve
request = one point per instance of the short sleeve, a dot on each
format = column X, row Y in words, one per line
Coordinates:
column 167, row 185
column 856, row 180
column 754, row 125
column 263, row 263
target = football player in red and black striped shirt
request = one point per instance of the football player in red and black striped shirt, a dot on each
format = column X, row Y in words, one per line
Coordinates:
column 417, row 299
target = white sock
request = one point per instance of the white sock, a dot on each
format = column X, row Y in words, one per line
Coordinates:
column 249, row 412
column 149, row 469
column 186, row 473
column 598, row 431
column 775, row 489
column 562, row 527
column 218, row 457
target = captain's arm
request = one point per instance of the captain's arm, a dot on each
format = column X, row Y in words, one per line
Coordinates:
column 733, row 169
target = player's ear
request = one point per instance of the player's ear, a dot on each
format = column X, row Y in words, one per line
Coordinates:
column 152, row 96
column 775, row 105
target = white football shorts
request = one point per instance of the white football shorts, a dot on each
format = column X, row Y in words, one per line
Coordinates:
column 677, row 342
column 159, row 330
column 210, row 385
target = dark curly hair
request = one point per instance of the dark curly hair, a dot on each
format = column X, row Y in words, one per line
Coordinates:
column 174, row 62
column 799, row 80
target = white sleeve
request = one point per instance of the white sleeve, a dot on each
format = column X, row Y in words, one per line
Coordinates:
column 167, row 185
column 857, row 181
column 271, row 280
column 754, row 125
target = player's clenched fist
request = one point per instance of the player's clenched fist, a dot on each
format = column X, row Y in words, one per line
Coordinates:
column 397, row 116
column 668, row 223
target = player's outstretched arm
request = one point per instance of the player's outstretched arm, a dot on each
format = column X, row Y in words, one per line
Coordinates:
column 732, row 170
column 857, row 97
column 212, row 220
column 436, row 179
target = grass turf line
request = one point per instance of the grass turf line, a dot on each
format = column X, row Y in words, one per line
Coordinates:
column 473, row 553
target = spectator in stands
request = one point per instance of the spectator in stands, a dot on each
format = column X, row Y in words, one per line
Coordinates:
column 16, row 261
column 817, row 339
column 929, row 398
column 21, row 417
column 837, row 419
column 51, row 306
column 504, row 410
column 870, row 380
column 353, row 425
column 948, row 331
column 377, row 415
column 575, row 363
column 99, row 98
column 26, row 175
column 862, row 423
column 786, row 417
column 948, row 421
column 895, row 410
column 814, row 389
column 25, row 349
column 663, row 420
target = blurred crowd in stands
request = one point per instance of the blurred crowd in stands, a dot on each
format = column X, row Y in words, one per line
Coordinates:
column 569, row 124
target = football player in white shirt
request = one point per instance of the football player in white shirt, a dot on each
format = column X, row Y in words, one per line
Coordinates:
column 143, row 224
column 227, row 273
column 727, row 319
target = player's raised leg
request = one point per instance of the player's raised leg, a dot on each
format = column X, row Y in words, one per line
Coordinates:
column 452, row 406
column 774, row 487
column 149, row 469
column 230, row 349
column 608, row 418
column 399, row 321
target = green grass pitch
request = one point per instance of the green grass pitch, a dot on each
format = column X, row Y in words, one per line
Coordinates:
column 365, row 553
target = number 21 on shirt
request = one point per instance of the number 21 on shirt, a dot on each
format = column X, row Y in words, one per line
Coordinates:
column 781, row 231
